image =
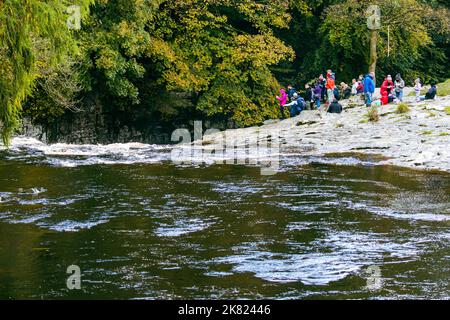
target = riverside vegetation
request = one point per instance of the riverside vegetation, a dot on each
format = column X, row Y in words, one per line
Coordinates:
column 215, row 60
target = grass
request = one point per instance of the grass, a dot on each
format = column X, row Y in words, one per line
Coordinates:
column 443, row 134
column 426, row 133
column 402, row 108
column 447, row 110
column 443, row 89
column 373, row 114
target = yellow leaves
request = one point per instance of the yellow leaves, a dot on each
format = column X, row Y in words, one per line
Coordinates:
column 162, row 50
column 106, row 59
column 124, row 29
column 260, row 50
column 265, row 15
column 181, row 77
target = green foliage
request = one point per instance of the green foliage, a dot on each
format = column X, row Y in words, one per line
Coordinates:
column 56, row 91
column 217, row 51
column 345, row 32
column 22, row 24
column 216, row 59
column 402, row 108
column 334, row 34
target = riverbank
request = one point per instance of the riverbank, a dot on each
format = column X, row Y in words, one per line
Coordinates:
column 416, row 139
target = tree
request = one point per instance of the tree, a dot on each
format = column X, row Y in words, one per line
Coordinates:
column 218, row 52
column 333, row 34
column 22, row 24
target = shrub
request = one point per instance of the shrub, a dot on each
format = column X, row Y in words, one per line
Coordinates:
column 373, row 114
column 402, row 108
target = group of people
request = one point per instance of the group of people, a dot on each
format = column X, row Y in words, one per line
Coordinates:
column 392, row 90
column 431, row 93
column 325, row 90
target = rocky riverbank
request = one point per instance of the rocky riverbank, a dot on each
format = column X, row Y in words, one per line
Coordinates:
column 419, row 138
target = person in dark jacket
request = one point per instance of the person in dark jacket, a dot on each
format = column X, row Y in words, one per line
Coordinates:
column 431, row 94
column 290, row 92
column 335, row 107
column 317, row 94
column 322, row 83
column 346, row 90
column 309, row 97
column 369, row 88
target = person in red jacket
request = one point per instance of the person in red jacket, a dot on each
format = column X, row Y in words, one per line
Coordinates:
column 330, row 87
column 387, row 86
column 384, row 98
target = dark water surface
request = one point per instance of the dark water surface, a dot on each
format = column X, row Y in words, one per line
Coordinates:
column 160, row 231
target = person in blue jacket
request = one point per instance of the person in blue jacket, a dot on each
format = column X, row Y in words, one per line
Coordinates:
column 297, row 105
column 290, row 92
column 369, row 88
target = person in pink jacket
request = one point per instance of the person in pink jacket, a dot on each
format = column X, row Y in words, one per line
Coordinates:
column 283, row 100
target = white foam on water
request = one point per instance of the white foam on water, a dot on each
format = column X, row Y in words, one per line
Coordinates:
column 73, row 155
column 399, row 214
column 333, row 258
column 239, row 187
column 30, row 219
column 72, row 225
column 37, row 191
column 5, row 197
column 182, row 227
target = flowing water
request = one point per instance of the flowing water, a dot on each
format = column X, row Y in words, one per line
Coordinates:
column 141, row 227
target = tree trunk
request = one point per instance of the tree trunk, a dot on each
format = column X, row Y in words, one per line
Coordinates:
column 373, row 50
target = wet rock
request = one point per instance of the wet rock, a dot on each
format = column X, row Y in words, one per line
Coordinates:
column 399, row 138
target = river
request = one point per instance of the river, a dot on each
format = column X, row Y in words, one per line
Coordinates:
column 141, row 227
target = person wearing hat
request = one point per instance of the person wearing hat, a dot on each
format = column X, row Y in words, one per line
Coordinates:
column 399, row 85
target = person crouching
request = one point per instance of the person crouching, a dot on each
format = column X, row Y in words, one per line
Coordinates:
column 297, row 105
column 335, row 107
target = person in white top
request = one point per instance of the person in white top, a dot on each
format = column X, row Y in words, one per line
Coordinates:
column 355, row 85
column 417, row 88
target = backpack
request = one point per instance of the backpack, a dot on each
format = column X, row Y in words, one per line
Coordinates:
column 301, row 104
column 336, row 93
